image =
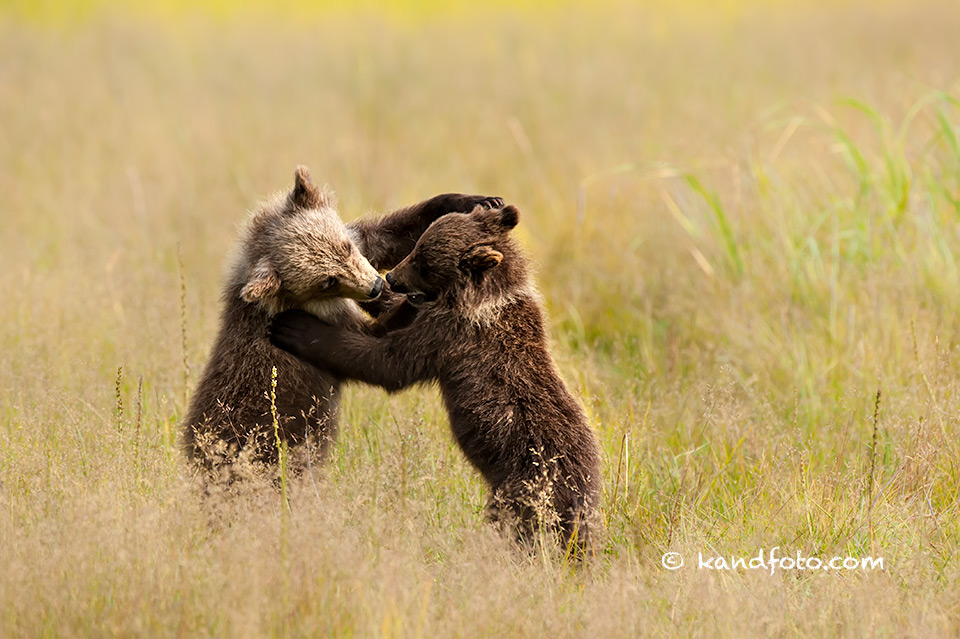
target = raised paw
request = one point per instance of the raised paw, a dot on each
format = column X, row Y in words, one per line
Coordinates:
column 459, row 203
column 486, row 202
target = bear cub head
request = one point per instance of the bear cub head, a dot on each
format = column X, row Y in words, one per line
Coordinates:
column 297, row 253
column 462, row 255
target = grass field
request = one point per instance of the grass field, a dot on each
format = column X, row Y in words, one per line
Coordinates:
column 746, row 226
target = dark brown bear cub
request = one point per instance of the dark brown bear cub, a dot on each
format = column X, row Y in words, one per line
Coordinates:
column 479, row 332
column 295, row 252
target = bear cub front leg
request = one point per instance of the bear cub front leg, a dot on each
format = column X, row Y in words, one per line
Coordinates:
column 301, row 334
column 386, row 361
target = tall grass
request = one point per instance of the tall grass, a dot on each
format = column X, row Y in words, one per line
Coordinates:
column 745, row 225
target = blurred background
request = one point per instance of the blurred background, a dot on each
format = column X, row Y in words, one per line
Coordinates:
column 744, row 218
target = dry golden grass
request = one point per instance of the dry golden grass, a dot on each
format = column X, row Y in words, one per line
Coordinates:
column 745, row 223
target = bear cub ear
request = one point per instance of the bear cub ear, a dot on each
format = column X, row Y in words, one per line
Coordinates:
column 481, row 258
column 263, row 283
column 498, row 220
column 509, row 217
column 305, row 194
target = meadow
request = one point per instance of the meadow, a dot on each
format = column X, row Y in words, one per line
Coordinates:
column 745, row 221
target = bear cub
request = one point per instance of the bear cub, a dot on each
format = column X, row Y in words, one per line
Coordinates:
column 479, row 333
column 295, row 252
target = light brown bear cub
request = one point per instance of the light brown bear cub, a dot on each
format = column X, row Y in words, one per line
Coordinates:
column 295, row 252
column 479, row 332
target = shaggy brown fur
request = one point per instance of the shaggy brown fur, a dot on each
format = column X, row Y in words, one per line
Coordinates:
column 480, row 333
column 295, row 252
